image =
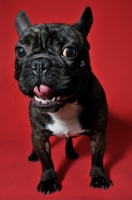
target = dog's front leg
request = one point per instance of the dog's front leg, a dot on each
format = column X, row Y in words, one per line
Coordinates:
column 48, row 182
column 99, row 177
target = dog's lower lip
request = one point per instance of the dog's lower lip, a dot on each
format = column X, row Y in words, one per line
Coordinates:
column 47, row 103
column 54, row 102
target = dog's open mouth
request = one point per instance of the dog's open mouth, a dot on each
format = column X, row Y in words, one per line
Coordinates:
column 46, row 99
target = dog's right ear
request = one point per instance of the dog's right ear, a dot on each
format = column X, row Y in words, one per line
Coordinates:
column 22, row 22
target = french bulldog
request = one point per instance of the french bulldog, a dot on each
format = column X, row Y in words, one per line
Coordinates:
column 53, row 70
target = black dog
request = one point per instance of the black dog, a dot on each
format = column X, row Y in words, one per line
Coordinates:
column 66, row 100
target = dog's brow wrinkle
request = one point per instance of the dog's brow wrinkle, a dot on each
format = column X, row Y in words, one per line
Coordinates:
column 44, row 34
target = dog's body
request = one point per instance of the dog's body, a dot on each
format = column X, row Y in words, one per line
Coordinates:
column 53, row 70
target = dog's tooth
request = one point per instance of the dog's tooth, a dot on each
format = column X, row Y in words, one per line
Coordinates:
column 44, row 101
column 37, row 99
column 53, row 99
column 47, row 100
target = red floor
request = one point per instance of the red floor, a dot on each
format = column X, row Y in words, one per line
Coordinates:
column 111, row 59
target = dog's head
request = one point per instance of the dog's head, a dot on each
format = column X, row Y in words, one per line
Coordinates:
column 52, row 61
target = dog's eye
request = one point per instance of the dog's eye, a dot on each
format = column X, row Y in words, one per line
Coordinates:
column 69, row 52
column 21, row 52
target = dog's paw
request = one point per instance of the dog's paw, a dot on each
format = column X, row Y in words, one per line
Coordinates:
column 33, row 157
column 72, row 155
column 101, row 182
column 47, row 187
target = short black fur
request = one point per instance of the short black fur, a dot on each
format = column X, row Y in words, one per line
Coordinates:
column 53, row 69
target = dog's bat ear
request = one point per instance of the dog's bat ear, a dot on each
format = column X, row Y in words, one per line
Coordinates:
column 22, row 22
column 85, row 21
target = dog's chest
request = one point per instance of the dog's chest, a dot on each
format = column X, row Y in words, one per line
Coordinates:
column 65, row 121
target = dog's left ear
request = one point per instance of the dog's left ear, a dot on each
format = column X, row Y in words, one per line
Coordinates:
column 85, row 21
column 22, row 22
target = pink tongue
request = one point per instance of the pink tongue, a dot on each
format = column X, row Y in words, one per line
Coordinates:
column 43, row 91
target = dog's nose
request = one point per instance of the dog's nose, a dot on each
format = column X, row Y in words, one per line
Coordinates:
column 40, row 66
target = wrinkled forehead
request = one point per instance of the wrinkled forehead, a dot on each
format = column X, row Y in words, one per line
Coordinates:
column 56, row 33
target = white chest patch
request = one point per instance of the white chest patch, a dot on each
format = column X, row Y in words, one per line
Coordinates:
column 65, row 121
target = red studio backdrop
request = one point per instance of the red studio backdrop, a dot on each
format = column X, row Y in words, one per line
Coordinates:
column 111, row 59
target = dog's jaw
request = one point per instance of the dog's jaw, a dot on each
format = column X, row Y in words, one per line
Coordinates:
column 50, row 105
column 47, row 100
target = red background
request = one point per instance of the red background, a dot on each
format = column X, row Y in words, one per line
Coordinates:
column 111, row 59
